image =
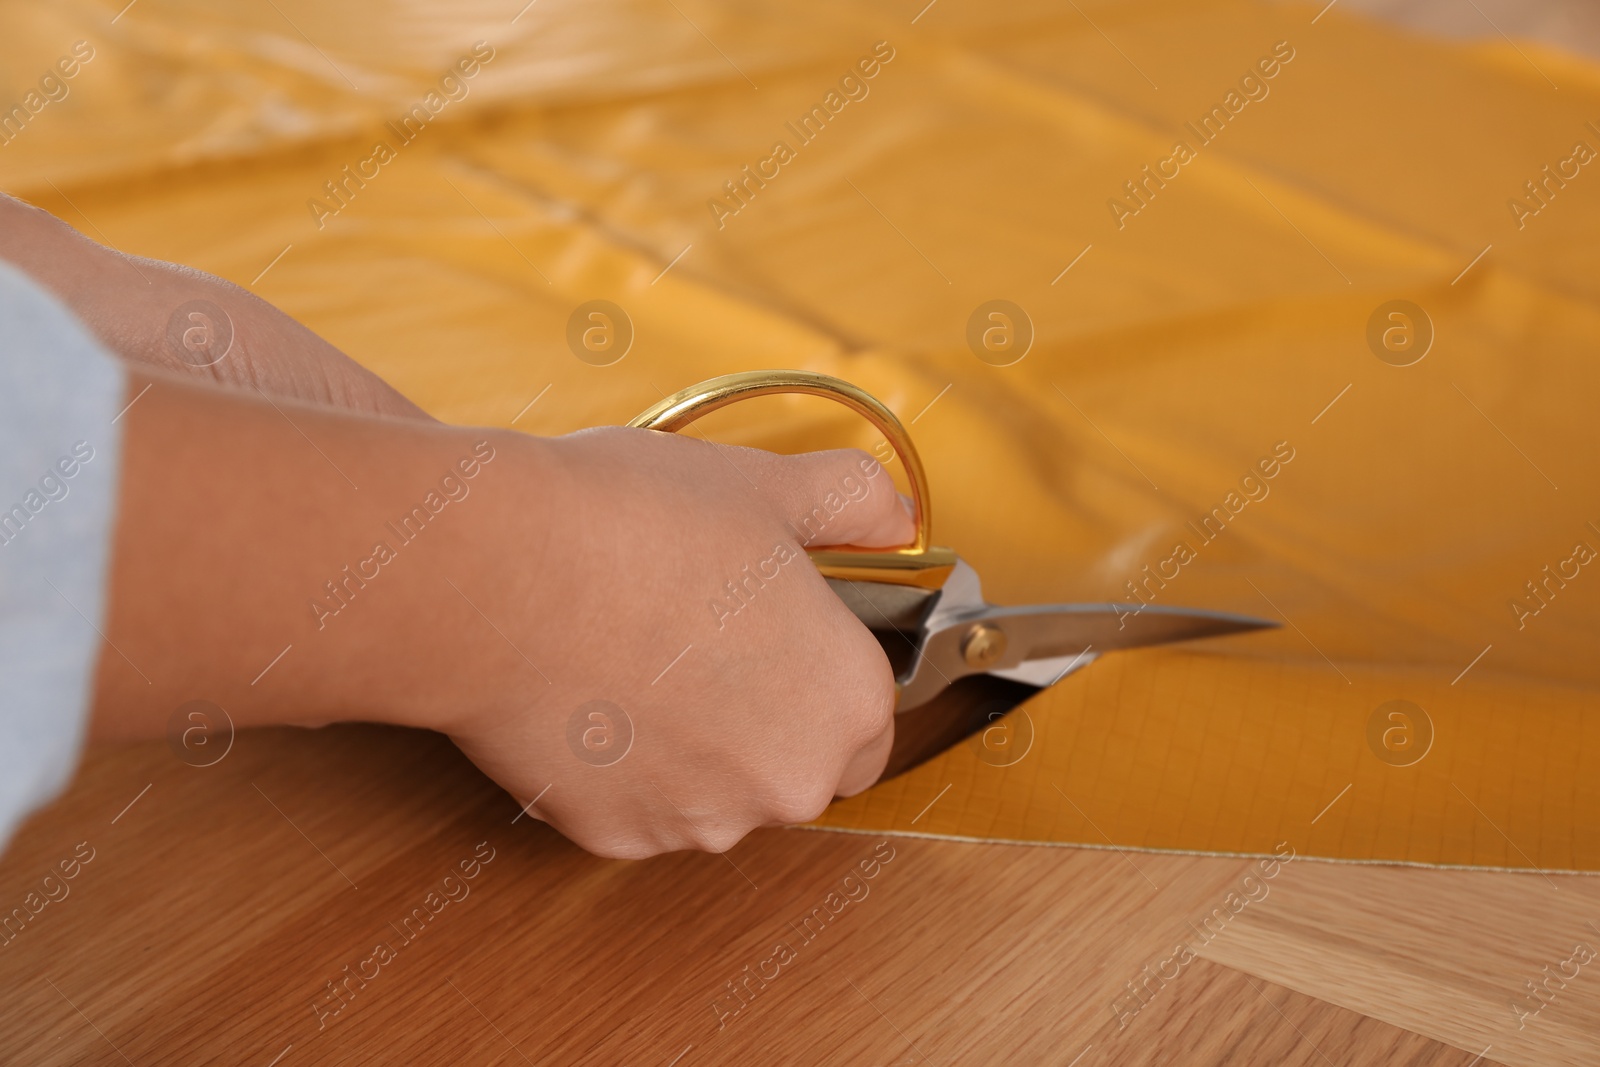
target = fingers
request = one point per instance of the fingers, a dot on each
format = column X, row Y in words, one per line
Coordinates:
column 840, row 497
column 868, row 732
column 866, row 765
column 845, row 497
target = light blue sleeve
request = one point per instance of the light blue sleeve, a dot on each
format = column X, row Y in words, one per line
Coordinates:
column 61, row 396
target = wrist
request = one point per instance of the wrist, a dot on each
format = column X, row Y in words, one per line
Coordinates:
column 469, row 542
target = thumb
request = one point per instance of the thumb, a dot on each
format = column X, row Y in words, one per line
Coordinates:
column 840, row 497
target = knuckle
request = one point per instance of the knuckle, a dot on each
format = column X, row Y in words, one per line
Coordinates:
column 857, row 459
column 872, row 709
column 621, row 847
column 801, row 804
column 719, row 838
column 839, row 466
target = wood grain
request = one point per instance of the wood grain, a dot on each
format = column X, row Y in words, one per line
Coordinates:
column 1219, row 1015
column 217, row 909
column 1445, row 953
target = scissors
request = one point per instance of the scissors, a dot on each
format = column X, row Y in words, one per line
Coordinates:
column 960, row 662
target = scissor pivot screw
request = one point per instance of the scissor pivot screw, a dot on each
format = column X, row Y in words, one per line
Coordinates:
column 983, row 645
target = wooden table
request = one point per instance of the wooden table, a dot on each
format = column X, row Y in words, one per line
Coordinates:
column 234, row 914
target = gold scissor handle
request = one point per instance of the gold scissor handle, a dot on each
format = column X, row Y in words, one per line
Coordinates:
column 918, row 564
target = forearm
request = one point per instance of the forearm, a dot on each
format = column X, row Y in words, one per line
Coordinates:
column 294, row 564
column 186, row 322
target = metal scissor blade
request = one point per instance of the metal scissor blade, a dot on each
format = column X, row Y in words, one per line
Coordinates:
column 1043, row 631
column 1049, row 639
column 955, row 713
column 946, row 700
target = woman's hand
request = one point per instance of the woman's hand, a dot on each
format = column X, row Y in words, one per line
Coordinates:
column 696, row 678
